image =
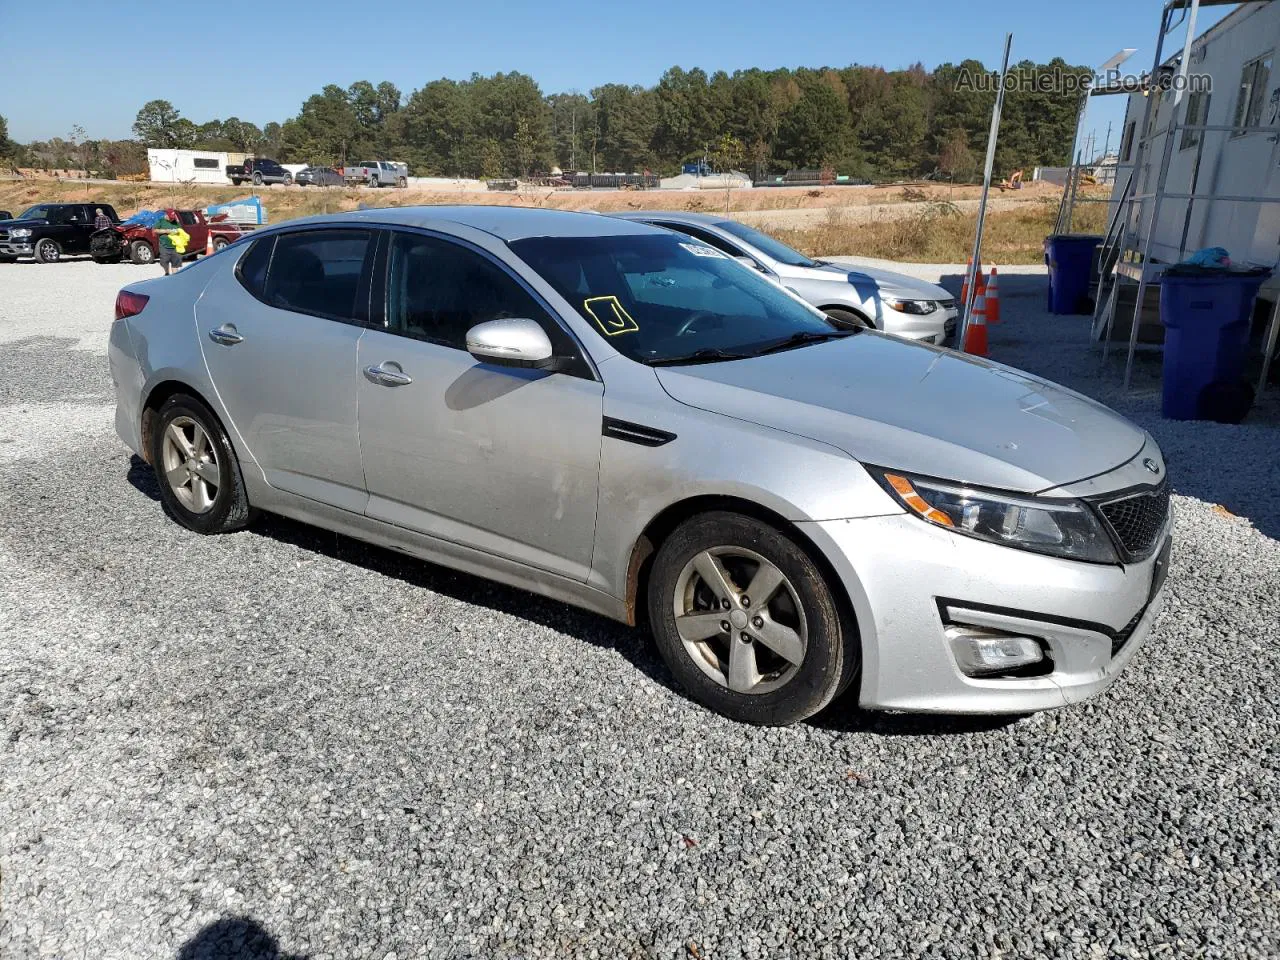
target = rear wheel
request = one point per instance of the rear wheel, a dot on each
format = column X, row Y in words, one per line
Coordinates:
column 747, row 622
column 288, row 179
column 373, row 182
column 140, row 252
column 848, row 319
column 257, row 179
column 198, row 474
column 219, row 243
column 402, row 182
column 48, row 251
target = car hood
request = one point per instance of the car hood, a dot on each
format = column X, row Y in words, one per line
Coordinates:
column 890, row 283
column 10, row 224
column 919, row 409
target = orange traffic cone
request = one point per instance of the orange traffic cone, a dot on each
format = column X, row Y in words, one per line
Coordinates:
column 975, row 334
column 993, row 297
column 964, row 284
column 208, row 244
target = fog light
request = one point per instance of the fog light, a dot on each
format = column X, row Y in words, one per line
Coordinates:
column 981, row 653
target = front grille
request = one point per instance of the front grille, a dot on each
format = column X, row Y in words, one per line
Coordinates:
column 1136, row 520
column 947, row 304
column 4, row 235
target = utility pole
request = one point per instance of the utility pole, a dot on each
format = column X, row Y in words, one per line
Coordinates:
column 1107, row 149
column 573, row 137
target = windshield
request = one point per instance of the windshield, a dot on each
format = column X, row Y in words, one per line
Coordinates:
column 770, row 247
column 36, row 213
column 668, row 299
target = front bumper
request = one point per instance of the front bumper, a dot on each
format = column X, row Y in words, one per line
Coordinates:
column 907, row 579
column 17, row 248
column 936, row 328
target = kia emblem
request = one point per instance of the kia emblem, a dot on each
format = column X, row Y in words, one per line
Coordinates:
column 1151, row 465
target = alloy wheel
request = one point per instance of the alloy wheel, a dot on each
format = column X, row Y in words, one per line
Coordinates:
column 190, row 464
column 740, row 620
column 48, row 251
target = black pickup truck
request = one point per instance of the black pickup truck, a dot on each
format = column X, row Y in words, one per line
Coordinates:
column 47, row 231
column 258, row 170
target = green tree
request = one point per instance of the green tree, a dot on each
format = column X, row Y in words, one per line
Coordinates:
column 156, row 124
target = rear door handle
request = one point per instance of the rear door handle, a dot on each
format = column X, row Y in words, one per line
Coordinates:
column 388, row 374
column 226, row 335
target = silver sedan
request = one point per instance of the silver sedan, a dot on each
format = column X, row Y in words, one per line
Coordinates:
column 621, row 418
column 858, row 296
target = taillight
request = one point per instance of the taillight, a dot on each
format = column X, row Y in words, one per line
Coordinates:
column 129, row 304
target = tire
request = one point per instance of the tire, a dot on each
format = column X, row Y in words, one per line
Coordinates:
column 373, row 182
column 236, row 181
column 801, row 616
column 402, row 182
column 140, row 252
column 257, row 179
column 848, row 319
column 219, row 243
column 47, row 250
column 199, row 502
column 288, row 179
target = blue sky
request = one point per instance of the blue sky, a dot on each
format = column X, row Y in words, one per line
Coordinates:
column 101, row 61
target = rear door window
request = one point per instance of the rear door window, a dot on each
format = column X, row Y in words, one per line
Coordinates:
column 252, row 270
column 710, row 239
column 187, row 217
column 322, row 272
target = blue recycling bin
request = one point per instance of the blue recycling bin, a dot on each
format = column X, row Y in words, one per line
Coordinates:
column 1069, row 258
column 1206, row 316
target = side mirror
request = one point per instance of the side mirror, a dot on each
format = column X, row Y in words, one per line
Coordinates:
column 514, row 342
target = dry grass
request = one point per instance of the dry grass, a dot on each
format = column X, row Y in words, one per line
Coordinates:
column 288, row 203
column 935, row 231
column 942, row 234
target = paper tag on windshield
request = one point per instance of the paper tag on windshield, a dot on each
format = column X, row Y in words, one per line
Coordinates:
column 702, row 250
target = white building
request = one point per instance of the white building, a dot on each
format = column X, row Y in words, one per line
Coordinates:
column 1238, row 56
column 188, row 166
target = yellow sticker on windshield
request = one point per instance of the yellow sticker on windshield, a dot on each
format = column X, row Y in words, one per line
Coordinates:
column 610, row 315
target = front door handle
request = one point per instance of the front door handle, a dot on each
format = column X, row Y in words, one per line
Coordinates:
column 226, row 335
column 388, row 374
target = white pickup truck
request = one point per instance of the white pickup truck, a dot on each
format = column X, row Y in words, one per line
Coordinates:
column 377, row 173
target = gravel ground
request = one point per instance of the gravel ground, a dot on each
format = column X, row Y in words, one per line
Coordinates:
column 283, row 743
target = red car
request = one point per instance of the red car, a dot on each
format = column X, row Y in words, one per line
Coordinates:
column 139, row 243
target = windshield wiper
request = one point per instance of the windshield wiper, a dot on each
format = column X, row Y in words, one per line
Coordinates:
column 803, row 339
column 705, row 355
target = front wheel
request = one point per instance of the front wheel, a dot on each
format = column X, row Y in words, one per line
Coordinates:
column 198, row 474
column 746, row 621
column 48, row 251
column 848, row 319
column 141, row 253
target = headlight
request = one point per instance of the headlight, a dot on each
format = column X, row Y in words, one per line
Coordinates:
column 918, row 307
column 20, row 232
column 1060, row 528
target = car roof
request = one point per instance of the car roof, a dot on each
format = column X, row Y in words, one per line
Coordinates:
column 674, row 216
column 505, row 223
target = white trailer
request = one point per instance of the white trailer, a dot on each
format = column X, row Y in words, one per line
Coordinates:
column 187, row 166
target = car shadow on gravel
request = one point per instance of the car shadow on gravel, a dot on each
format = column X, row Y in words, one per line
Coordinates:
column 845, row 716
column 572, row 621
column 235, row 938
column 842, row 716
